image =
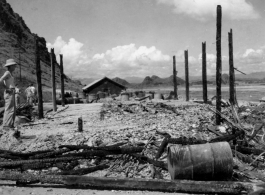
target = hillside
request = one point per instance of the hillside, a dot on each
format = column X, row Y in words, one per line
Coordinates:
column 157, row 81
column 134, row 79
column 121, row 81
column 16, row 39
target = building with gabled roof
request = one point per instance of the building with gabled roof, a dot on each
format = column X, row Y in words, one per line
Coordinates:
column 103, row 85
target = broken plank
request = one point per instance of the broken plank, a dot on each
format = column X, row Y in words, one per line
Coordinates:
column 213, row 187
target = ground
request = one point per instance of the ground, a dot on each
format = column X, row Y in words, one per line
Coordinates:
column 60, row 128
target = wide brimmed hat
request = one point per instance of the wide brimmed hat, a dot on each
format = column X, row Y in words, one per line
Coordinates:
column 10, row 62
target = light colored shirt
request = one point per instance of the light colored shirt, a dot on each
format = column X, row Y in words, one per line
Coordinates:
column 30, row 91
column 33, row 90
column 8, row 80
column 17, row 90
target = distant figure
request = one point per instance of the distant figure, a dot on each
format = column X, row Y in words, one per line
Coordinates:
column 17, row 95
column 31, row 95
column 7, row 82
column 34, row 94
column 28, row 95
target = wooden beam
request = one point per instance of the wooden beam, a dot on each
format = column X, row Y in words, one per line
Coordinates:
column 53, row 80
column 231, row 69
column 218, row 63
column 204, row 73
column 187, row 75
column 62, row 79
column 175, row 82
column 38, row 74
column 185, row 186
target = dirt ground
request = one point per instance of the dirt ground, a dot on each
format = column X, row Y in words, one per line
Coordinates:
column 61, row 128
column 9, row 188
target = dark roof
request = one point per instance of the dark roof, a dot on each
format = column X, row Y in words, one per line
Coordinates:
column 99, row 80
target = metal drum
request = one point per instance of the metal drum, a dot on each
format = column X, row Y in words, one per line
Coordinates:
column 158, row 96
column 124, row 96
column 211, row 161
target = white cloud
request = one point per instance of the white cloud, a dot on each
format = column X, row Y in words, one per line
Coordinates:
column 130, row 60
column 72, row 51
column 252, row 60
column 206, row 9
column 126, row 60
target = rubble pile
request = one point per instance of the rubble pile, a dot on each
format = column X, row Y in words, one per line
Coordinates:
column 134, row 145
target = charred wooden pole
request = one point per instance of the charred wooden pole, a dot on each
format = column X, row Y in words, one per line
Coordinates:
column 38, row 74
column 204, row 73
column 184, row 186
column 53, row 80
column 218, row 63
column 19, row 59
column 62, row 80
column 80, row 124
column 187, row 75
column 231, row 69
column 175, row 79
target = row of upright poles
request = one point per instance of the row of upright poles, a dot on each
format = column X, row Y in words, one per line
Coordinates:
column 232, row 93
column 204, row 72
column 53, row 83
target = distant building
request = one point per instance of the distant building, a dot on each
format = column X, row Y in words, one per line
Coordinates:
column 103, row 85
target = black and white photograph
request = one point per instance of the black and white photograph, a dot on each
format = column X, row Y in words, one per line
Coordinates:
column 141, row 97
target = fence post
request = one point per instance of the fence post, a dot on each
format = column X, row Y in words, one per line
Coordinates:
column 204, row 73
column 187, row 75
column 53, row 80
column 38, row 74
column 218, row 63
column 175, row 82
column 62, row 79
column 231, row 69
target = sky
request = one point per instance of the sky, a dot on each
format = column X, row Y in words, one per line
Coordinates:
column 124, row 38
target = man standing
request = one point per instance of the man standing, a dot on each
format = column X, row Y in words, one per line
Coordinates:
column 7, row 80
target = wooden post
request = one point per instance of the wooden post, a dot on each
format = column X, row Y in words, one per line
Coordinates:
column 19, row 63
column 80, row 124
column 62, row 79
column 38, row 74
column 187, row 74
column 175, row 82
column 231, row 69
column 204, row 73
column 218, row 63
column 53, row 81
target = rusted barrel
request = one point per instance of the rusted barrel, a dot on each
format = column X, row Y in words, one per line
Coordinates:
column 158, row 96
column 124, row 96
column 91, row 97
column 150, row 95
column 211, row 161
column 141, row 94
column 130, row 94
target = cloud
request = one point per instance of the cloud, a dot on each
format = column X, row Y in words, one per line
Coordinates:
column 122, row 61
column 251, row 60
column 72, row 51
column 204, row 10
column 130, row 60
